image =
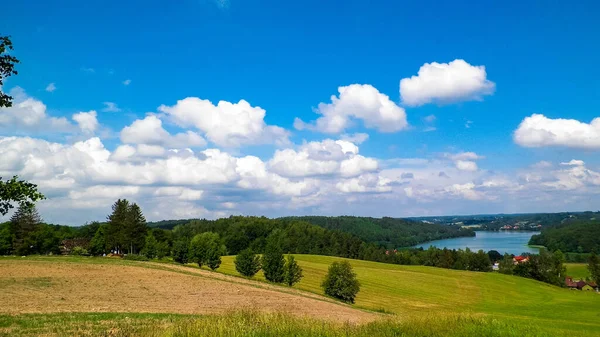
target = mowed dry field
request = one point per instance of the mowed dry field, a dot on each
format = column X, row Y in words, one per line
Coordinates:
column 54, row 285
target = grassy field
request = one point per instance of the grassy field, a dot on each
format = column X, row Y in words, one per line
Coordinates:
column 257, row 324
column 416, row 291
column 421, row 301
column 578, row 270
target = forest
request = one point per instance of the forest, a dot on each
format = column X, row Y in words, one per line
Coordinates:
column 575, row 237
column 387, row 232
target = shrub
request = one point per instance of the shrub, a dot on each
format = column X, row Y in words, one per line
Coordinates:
column 247, row 263
column 135, row 257
column 340, row 282
column 273, row 264
column 79, row 251
column 293, row 272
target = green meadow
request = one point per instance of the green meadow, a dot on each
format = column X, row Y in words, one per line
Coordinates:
column 412, row 300
column 418, row 291
column 577, row 270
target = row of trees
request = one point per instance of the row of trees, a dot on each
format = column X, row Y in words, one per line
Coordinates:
column 275, row 268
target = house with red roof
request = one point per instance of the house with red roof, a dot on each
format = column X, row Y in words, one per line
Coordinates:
column 520, row 259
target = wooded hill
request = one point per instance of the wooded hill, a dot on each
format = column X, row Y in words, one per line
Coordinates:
column 577, row 237
column 387, row 232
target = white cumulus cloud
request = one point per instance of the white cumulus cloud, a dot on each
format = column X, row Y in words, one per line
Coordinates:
column 538, row 131
column 357, row 101
column 87, row 121
column 28, row 114
column 150, row 131
column 226, row 124
column 444, row 83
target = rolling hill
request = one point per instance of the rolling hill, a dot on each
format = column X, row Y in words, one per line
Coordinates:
column 59, row 296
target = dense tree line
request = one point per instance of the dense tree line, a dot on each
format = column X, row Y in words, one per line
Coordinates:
column 26, row 234
column 578, row 237
column 387, row 232
column 297, row 237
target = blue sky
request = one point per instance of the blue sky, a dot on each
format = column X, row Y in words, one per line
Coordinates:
column 287, row 57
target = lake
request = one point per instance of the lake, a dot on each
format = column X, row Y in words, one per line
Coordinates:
column 512, row 242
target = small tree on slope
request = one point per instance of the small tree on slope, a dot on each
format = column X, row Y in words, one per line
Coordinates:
column 273, row 264
column 340, row 282
column 247, row 263
column 293, row 272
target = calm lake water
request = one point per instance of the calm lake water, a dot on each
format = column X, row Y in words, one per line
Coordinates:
column 512, row 242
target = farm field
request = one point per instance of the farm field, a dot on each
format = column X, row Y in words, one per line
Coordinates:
column 577, row 270
column 69, row 296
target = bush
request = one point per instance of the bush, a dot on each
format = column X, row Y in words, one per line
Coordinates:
column 247, row 263
column 293, row 272
column 273, row 264
column 135, row 257
column 340, row 282
column 79, row 251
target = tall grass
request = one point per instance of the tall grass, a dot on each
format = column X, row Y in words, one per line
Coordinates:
column 257, row 324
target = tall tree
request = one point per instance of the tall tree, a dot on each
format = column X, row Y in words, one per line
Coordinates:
column 273, row 263
column 7, row 68
column 17, row 191
column 99, row 243
column 117, row 222
column 22, row 224
column 594, row 267
column 135, row 231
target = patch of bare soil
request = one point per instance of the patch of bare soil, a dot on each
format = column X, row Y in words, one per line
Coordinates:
column 47, row 287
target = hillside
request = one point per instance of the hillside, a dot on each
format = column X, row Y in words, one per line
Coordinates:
column 62, row 292
column 578, row 237
column 414, row 291
column 387, row 232
column 66, row 284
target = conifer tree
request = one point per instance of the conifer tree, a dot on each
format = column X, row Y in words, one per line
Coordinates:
column 22, row 223
column 293, row 272
column 247, row 263
column 136, row 229
column 273, row 263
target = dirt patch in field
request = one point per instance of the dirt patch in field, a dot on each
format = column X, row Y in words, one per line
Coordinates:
column 46, row 287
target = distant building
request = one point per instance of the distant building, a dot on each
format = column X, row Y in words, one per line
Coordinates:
column 580, row 285
column 570, row 283
column 520, row 259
